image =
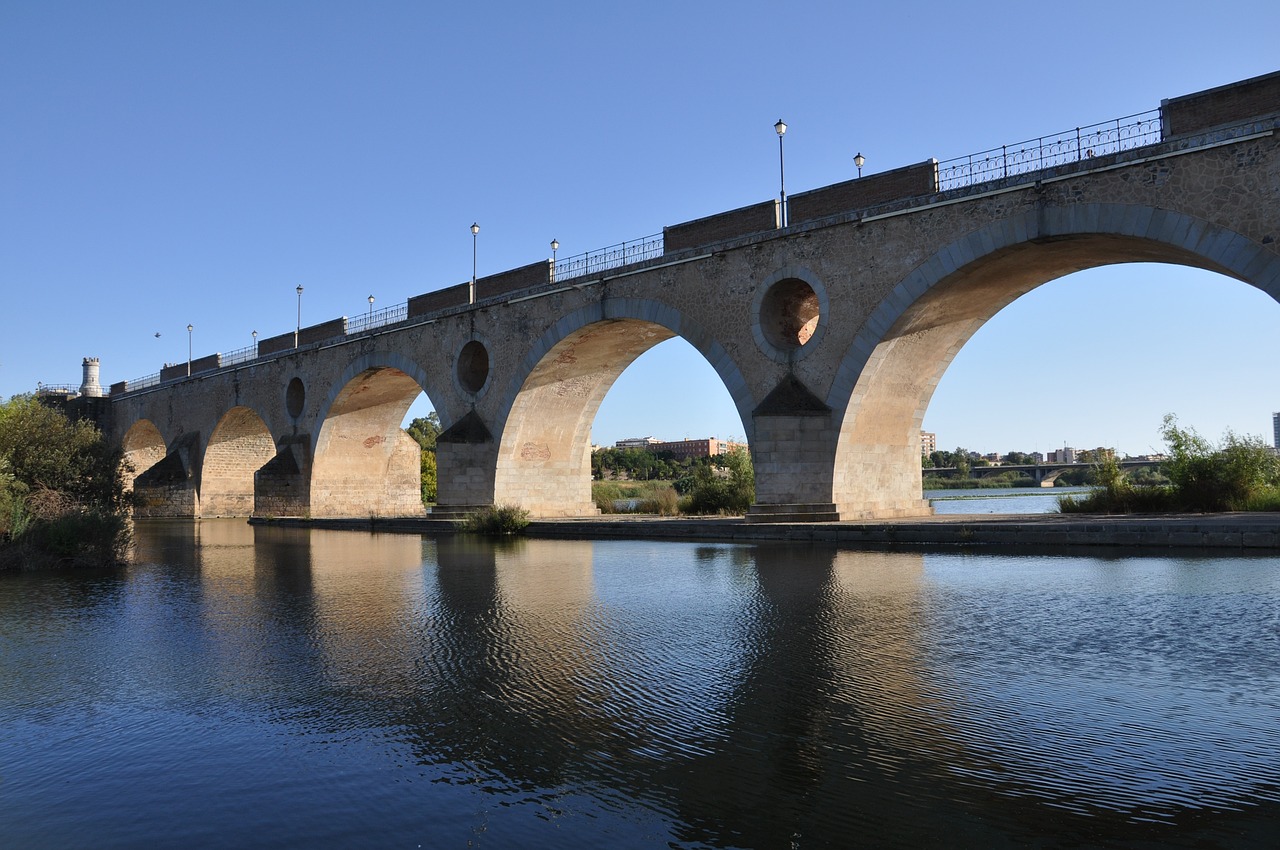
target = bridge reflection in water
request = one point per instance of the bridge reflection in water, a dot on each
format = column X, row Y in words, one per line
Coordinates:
column 558, row 692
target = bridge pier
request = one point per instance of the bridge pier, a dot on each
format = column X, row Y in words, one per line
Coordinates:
column 792, row 456
column 169, row 488
column 282, row 487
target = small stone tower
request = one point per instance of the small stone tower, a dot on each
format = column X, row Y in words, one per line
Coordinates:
column 89, row 386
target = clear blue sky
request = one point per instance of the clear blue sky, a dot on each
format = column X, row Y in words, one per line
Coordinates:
column 164, row 163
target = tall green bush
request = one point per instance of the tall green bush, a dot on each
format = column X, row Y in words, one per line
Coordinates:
column 1238, row 474
column 729, row 492
column 62, row 495
column 1217, row 478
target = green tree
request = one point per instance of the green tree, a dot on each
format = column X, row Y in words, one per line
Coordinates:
column 426, row 430
column 61, row 489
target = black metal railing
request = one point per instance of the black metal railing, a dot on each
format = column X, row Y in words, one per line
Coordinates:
column 1070, row 146
column 377, row 319
column 604, row 259
column 57, row 389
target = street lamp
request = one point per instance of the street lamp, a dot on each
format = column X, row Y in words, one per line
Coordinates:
column 298, row 328
column 255, row 343
column 555, row 246
column 781, row 130
column 475, row 230
column 190, row 328
column 859, row 160
column 370, row 306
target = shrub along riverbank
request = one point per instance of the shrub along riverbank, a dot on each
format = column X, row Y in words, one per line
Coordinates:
column 1237, row 474
column 62, row 497
column 723, row 485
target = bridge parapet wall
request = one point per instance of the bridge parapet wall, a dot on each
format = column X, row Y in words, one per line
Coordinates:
column 208, row 363
column 505, row 283
column 1194, row 113
column 720, row 227
column 275, row 344
column 441, row 299
column 862, row 192
column 325, row 330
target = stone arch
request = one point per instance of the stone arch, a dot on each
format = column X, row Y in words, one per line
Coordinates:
column 239, row 445
column 363, row 464
column 544, row 451
column 888, row 375
column 143, row 447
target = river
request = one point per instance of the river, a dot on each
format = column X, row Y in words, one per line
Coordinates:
column 1001, row 500
column 266, row 687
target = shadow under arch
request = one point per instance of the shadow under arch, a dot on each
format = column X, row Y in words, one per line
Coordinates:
column 240, row 445
column 363, row 463
column 889, row 373
column 544, row 451
column 143, row 447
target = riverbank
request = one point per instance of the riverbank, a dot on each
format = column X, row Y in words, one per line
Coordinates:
column 1235, row 531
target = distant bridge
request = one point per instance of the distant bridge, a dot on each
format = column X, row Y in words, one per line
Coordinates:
column 830, row 334
column 1044, row 474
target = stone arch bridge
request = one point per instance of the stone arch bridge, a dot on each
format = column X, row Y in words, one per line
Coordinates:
column 830, row 333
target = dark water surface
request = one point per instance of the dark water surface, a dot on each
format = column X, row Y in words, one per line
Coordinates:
column 267, row 687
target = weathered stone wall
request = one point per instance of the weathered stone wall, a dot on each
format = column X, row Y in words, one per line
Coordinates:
column 173, row 500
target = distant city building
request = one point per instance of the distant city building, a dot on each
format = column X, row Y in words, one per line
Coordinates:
column 709, row 447
column 1275, row 430
column 681, row 449
column 993, row 458
column 1036, row 457
column 637, row 443
column 1066, row 454
column 929, row 441
column 1095, row 455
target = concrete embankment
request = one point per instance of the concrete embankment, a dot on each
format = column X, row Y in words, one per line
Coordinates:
column 1250, row 532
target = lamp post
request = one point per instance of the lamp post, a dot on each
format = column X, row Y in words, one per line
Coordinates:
column 475, row 230
column 555, row 246
column 255, row 343
column 190, row 328
column 298, row 328
column 781, row 130
column 370, row 306
column 859, row 160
